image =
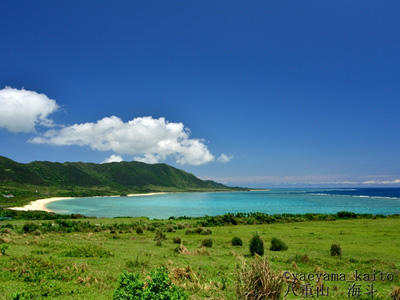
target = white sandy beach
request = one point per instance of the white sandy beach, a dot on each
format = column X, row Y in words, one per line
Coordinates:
column 41, row 204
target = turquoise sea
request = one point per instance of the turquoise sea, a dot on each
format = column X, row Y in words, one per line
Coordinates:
column 276, row 201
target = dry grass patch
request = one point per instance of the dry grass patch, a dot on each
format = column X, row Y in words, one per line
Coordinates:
column 257, row 280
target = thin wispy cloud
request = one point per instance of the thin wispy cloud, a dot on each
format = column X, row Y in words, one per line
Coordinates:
column 382, row 182
column 304, row 180
column 224, row 158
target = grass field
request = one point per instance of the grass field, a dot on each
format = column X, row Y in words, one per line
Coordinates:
column 86, row 264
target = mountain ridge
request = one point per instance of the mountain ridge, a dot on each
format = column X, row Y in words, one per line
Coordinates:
column 115, row 174
column 43, row 179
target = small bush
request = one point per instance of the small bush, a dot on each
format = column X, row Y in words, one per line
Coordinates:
column 258, row 281
column 207, row 243
column 139, row 230
column 30, row 227
column 3, row 248
column 129, row 287
column 236, row 241
column 170, row 228
column 205, row 231
column 177, row 240
column 198, row 230
column 150, row 227
column 181, row 249
column 346, row 215
column 159, row 286
column 336, row 250
column 277, row 245
column 159, row 236
column 37, row 232
column 159, row 243
column 256, row 245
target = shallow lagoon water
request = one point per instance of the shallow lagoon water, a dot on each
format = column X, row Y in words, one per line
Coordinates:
column 200, row 204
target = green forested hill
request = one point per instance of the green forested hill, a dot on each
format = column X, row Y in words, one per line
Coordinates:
column 122, row 174
column 42, row 179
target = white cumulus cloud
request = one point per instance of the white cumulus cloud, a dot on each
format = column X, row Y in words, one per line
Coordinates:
column 145, row 138
column 148, row 158
column 112, row 158
column 21, row 110
column 224, row 158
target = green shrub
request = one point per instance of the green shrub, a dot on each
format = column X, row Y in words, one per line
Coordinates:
column 159, row 236
column 277, row 245
column 236, row 241
column 30, row 227
column 205, row 231
column 3, row 248
column 258, row 281
column 158, row 287
column 346, row 215
column 151, row 228
column 170, row 228
column 207, row 243
column 159, row 243
column 336, row 250
column 177, row 240
column 37, row 232
column 139, row 230
column 129, row 287
column 256, row 245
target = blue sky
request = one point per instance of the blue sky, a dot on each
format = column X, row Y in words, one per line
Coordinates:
column 289, row 93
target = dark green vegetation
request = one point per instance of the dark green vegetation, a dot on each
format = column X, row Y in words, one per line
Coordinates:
column 177, row 240
column 207, row 243
column 237, row 241
column 256, row 245
column 41, row 179
column 84, row 259
column 336, row 250
column 277, row 245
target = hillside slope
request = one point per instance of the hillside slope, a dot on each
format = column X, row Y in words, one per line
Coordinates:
column 119, row 175
column 43, row 179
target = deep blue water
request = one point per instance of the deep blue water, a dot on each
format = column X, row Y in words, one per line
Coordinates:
column 370, row 192
column 277, row 201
